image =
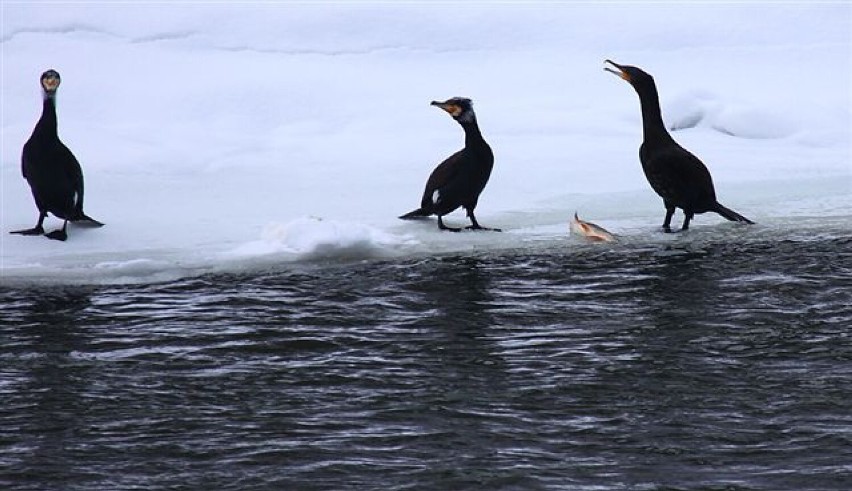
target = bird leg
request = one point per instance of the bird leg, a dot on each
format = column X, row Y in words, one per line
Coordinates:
column 476, row 226
column 441, row 226
column 686, row 220
column 37, row 230
column 667, row 222
column 59, row 234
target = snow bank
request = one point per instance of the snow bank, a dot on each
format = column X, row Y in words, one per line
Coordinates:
column 742, row 120
column 315, row 238
column 207, row 133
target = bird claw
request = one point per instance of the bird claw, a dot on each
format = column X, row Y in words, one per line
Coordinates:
column 57, row 235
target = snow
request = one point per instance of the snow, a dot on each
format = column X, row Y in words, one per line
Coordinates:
column 221, row 137
column 317, row 238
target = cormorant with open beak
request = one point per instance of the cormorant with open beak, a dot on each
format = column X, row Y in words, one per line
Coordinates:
column 679, row 177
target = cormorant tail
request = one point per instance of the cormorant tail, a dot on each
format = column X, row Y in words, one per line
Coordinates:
column 730, row 214
column 418, row 213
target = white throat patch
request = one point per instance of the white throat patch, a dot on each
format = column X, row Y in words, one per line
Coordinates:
column 467, row 116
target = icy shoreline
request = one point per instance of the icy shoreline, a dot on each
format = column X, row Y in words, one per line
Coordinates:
column 223, row 137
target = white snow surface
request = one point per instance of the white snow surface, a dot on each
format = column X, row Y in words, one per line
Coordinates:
column 224, row 137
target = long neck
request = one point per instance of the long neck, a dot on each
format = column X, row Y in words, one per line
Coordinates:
column 46, row 125
column 652, row 118
column 472, row 135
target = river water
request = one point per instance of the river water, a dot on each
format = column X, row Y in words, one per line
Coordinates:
column 662, row 366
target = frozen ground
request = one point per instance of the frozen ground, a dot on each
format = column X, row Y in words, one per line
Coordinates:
column 218, row 137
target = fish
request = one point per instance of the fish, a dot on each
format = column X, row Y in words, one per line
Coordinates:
column 590, row 231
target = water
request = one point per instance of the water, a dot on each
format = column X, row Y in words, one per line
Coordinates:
column 662, row 366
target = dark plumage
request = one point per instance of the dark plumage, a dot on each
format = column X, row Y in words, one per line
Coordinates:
column 459, row 180
column 679, row 177
column 52, row 171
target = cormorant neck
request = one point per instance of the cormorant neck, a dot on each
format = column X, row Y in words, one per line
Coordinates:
column 652, row 118
column 47, row 123
column 472, row 135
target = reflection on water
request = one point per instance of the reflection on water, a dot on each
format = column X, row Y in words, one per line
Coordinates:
column 718, row 366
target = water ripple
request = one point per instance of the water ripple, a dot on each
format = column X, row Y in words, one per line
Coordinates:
column 725, row 366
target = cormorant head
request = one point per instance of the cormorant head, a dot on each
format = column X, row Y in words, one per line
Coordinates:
column 635, row 76
column 460, row 108
column 50, row 81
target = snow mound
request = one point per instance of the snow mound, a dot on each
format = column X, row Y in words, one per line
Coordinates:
column 690, row 110
column 705, row 109
column 752, row 122
column 317, row 238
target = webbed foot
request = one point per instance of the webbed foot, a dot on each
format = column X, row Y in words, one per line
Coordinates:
column 478, row 227
column 88, row 222
column 441, row 225
column 58, row 235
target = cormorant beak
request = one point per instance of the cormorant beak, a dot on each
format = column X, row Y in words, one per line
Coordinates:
column 454, row 110
column 618, row 70
column 50, row 84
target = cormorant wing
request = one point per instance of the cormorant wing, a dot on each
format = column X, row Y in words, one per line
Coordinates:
column 441, row 176
column 680, row 177
column 70, row 166
column 26, row 159
column 71, row 171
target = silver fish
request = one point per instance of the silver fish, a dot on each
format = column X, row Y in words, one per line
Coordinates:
column 590, row 230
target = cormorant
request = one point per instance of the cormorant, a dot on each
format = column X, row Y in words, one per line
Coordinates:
column 679, row 177
column 458, row 181
column 52, row 171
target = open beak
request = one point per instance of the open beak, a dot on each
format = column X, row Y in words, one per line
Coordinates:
column 616, row 70
column 453, row 109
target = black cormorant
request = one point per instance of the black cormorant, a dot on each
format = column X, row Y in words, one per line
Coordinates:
column 52, row 171
column 675, row 174
column 458, row 181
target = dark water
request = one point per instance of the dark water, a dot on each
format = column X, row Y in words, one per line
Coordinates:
column 714, row 367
